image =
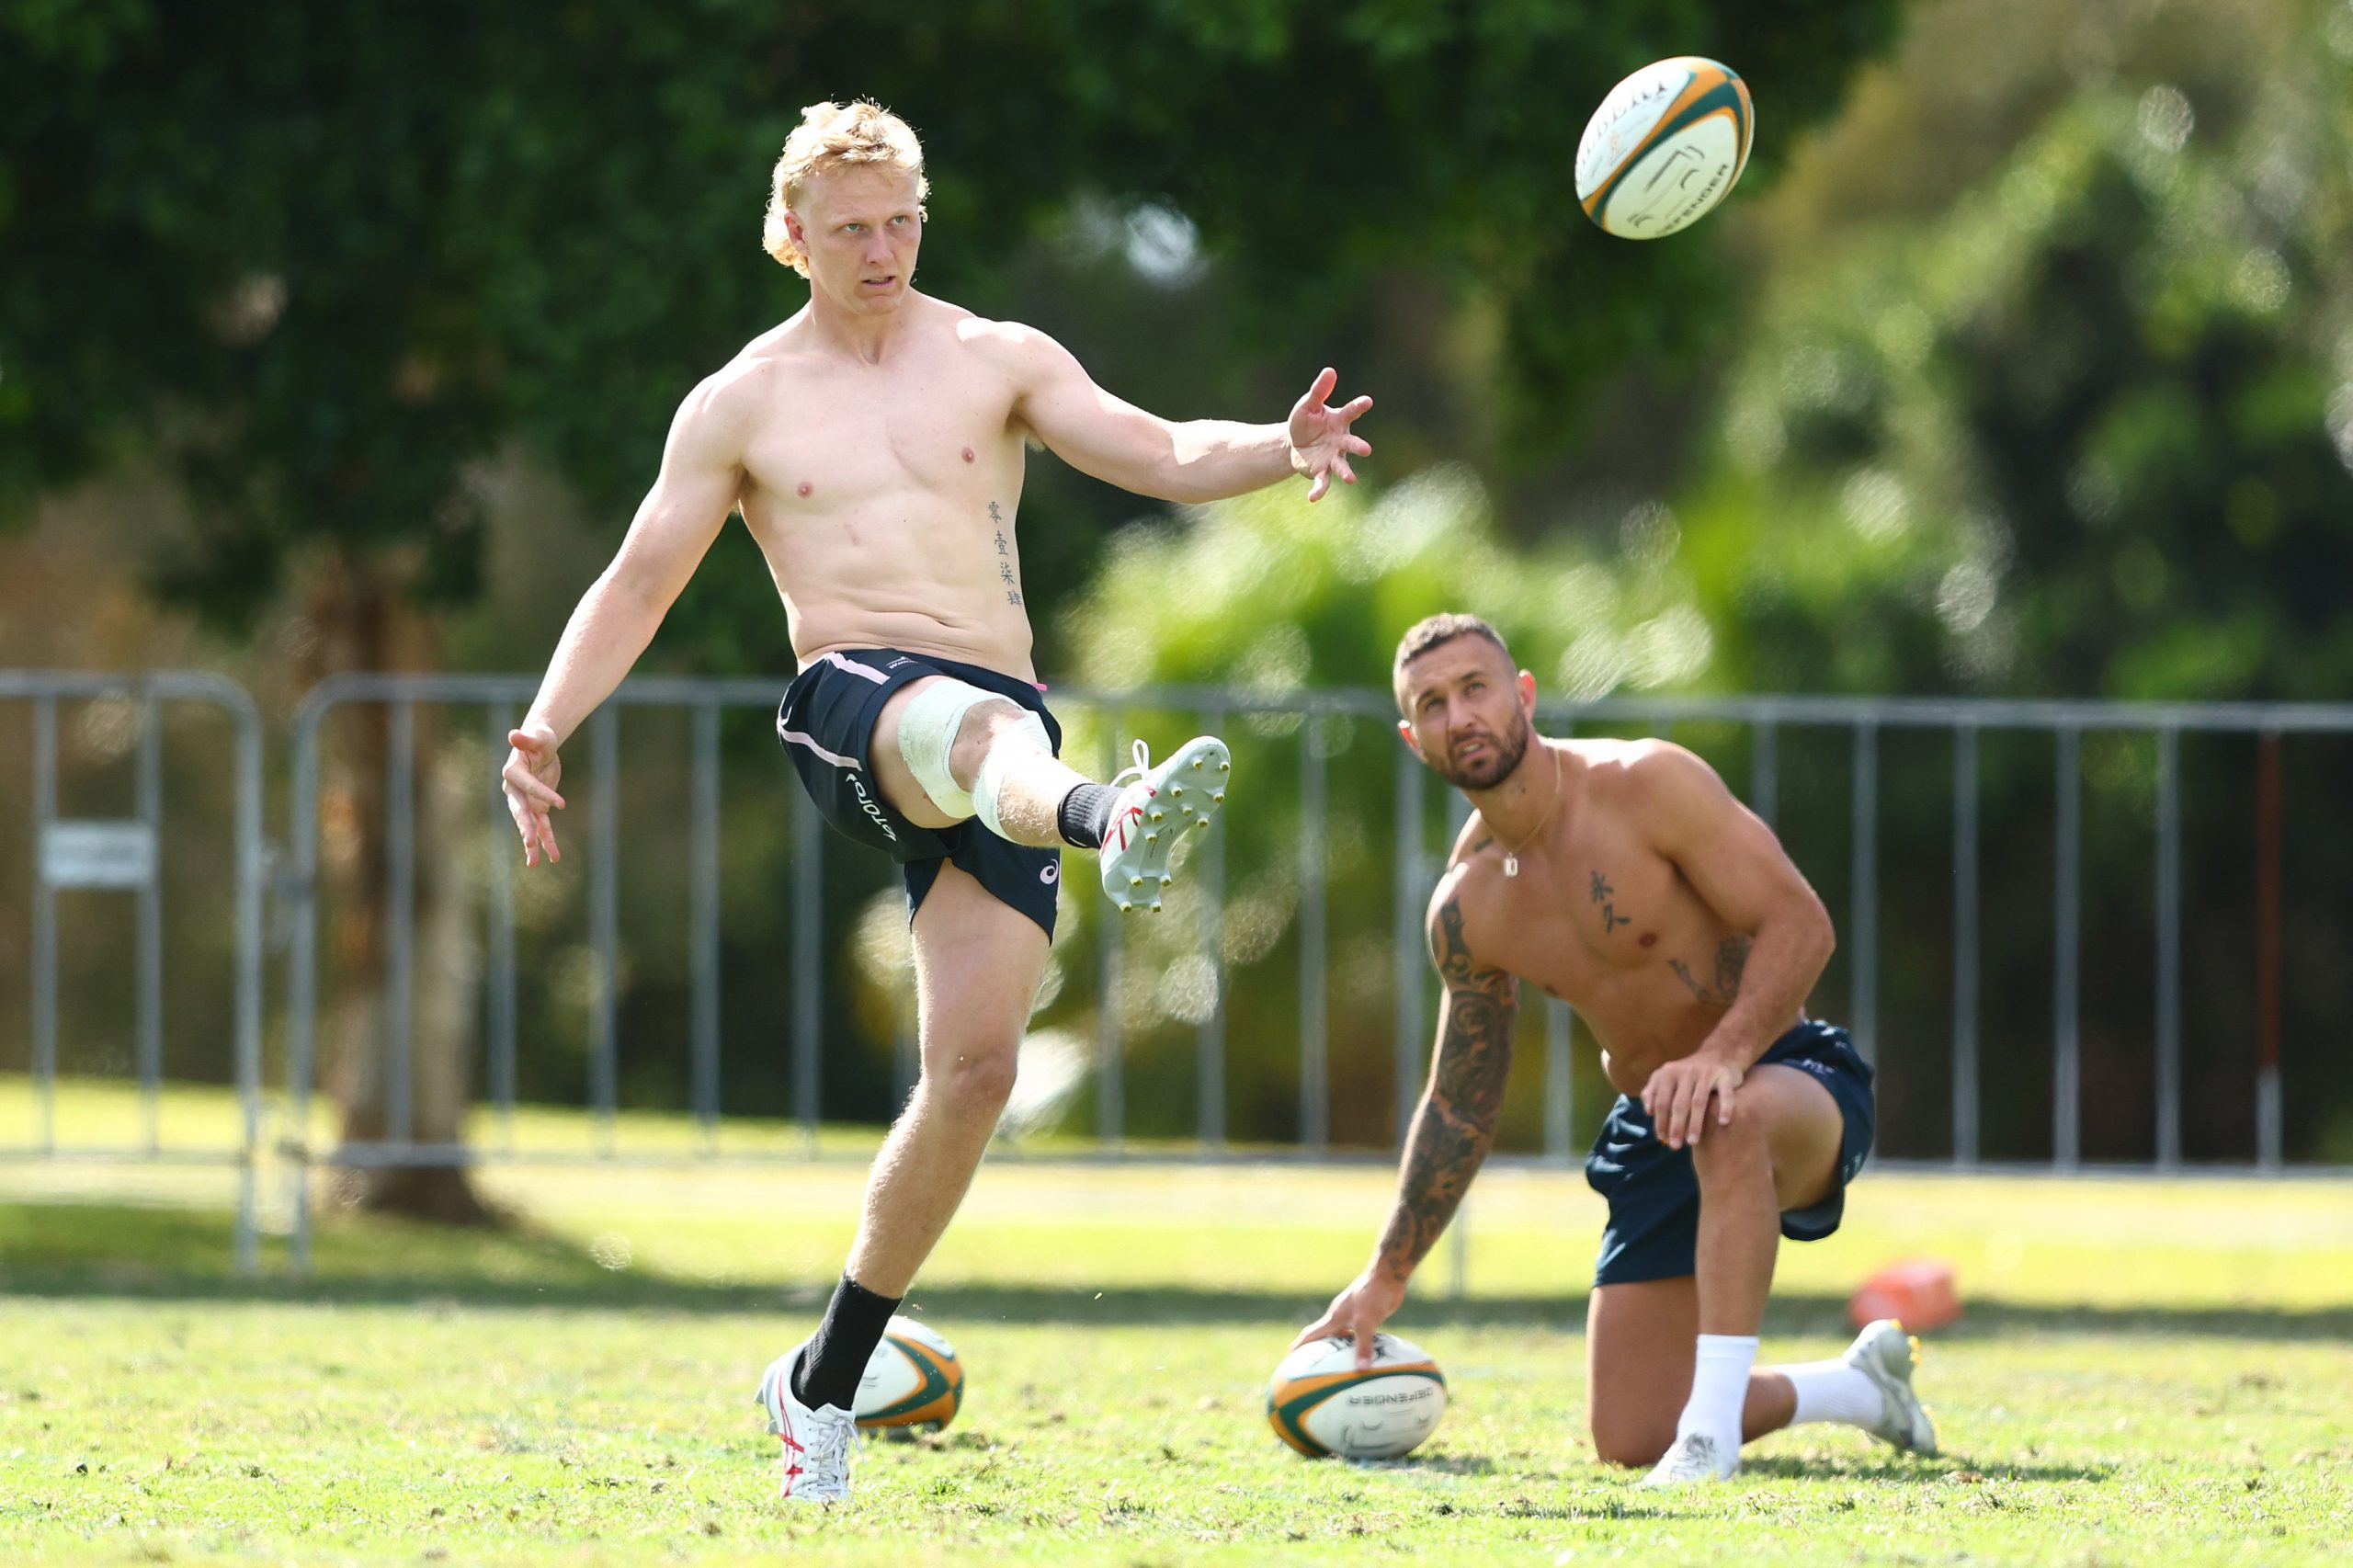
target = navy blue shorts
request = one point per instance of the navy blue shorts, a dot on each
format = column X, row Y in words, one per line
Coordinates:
column 1653, row 1193
column 826, row 724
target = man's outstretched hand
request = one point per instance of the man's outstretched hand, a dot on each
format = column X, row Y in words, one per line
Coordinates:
column 1321, row 441
column 529, row 782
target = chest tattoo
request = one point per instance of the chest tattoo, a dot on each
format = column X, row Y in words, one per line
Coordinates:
column 1606, row 896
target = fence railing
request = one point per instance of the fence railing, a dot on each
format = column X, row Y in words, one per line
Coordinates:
column 125, row 854
column 1298, row 737
column 2067, row 723
column 1413, row 867
column 500, row 700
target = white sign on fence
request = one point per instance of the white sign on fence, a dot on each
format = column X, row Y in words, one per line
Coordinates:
column 98, row 855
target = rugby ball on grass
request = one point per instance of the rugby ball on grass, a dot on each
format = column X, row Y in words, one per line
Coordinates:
column 913, row 1380
column 1320, row 1404
column 1667, row 144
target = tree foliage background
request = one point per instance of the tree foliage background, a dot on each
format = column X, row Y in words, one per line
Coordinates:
column 327, row 260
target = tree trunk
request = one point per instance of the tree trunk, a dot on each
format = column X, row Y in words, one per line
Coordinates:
column 359, row 619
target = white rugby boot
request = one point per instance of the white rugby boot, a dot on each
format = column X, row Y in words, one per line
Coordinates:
column 1156, row 808
column 1886, row 1355
column 817, row 1442
column 1693, row 1457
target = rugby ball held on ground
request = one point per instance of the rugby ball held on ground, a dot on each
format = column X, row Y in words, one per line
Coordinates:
column 1320, row 1404
column 1667, row 144
column 911, row 1380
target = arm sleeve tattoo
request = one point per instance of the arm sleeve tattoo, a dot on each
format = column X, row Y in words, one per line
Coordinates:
column 1456, row 1123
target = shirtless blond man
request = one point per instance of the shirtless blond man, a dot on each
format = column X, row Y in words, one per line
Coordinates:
column 874, row 445
column 1623, row 878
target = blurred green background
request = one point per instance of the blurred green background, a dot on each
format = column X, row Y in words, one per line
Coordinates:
column 2020, row 364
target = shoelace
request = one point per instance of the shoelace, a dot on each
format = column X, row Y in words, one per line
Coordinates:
column 828, row 1453
column 1141, row 765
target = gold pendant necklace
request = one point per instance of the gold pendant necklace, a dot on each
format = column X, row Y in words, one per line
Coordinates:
column 1511, row 850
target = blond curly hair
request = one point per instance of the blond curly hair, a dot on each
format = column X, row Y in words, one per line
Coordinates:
column 832, row 135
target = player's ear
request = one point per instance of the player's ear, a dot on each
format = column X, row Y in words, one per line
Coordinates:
column 1527, row 693
column 792, row 227
column 1413, row 742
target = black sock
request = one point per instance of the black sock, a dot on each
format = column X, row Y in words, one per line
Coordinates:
column 1085, row 814
column 838, row 1352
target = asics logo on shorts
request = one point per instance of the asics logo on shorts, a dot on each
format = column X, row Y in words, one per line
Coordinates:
column 866, row 804
column 1051, row 873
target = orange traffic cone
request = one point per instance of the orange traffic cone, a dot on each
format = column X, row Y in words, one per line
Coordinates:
column 1918, row 1291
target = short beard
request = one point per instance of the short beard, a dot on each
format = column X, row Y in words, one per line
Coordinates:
column 1493, row 769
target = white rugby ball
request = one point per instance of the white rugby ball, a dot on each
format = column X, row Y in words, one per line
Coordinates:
column 1667, row 144
column 1320, row 1404
column 911, row 1380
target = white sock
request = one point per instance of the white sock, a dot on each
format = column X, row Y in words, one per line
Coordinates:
column 1833, row 1391
column 1719, row 1389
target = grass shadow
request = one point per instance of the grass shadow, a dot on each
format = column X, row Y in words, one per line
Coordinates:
column 1946, row 1469
column 82, row 1250
column 1436, row 1464
column 1609, row 1508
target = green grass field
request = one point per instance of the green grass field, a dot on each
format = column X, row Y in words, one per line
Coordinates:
column 2148, row 1372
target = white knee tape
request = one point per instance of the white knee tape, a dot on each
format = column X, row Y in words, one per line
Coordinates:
column 1028, row 736
column 926, row 733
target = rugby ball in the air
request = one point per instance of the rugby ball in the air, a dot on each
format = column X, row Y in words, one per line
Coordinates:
column 1320, row 1404
column 911, row 1380
column 1667, row 144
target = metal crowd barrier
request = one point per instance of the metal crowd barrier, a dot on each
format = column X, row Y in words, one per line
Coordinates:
column 2067, row 723
column 1967, row 719
column 503, row 700
column 1415, row 869
column 124, row 854
column 101, row 851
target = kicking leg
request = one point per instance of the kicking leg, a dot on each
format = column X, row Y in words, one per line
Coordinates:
column 944, row 751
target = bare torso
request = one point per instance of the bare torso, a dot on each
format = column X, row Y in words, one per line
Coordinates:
column 1599, row 918
column 883, row 494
